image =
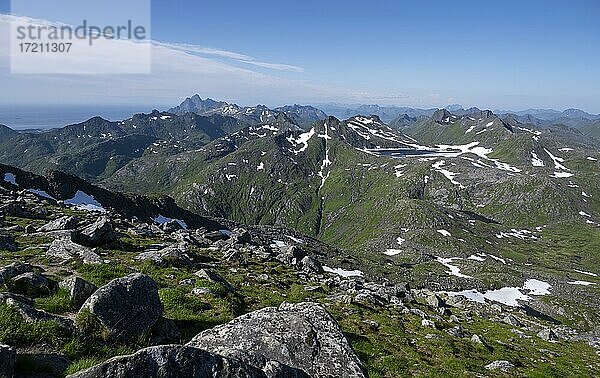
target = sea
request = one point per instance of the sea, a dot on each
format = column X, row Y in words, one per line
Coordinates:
column 45, row 117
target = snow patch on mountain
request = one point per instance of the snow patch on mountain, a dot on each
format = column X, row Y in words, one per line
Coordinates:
column 509, row 296
column 342, row 272
column 302, row 140
column 326, row 162
column 581, row 283
column 444, row 233
column 536, row 161
column 161, row 219
column 448, row 174
column 557, row 161
column 84, row 201
column 519, row 234
column 10, row 178
column 586, row 273
column 392, row 252
column 454, row 270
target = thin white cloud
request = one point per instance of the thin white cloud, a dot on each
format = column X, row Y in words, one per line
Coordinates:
column 195, row 49
column 177, row 71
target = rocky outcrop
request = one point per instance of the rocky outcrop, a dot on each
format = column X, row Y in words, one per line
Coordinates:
column 98, row 233
column 66, row 249
column 442, row 116
column 62, row 223
column 126, row 307
column 303, row 336
column 10, row 271
column 171, row 361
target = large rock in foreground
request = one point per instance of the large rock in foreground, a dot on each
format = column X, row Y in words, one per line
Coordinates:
column 172, row 361
column 126, row 307
column 8, row 359
column 303, row 336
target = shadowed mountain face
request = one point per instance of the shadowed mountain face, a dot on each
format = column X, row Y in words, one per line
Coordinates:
column 59, row 186
column 303, row 116
column 96, row 148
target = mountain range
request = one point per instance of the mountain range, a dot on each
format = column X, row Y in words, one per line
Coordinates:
column 462, row 201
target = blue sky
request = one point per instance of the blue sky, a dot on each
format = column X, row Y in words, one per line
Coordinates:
column 509, row 54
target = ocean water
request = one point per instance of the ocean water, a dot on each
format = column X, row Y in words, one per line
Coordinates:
column 20, row 117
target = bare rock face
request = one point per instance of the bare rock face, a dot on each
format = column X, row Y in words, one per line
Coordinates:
column 303, row 336
column 127, row 307
column 174, row 361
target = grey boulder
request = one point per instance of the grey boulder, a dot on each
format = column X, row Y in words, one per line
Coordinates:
column 65, row 249
column 62, row 223
column 303, row 336
column 548, row 335
column 311, row 265
column 501, row 365
column 214, row 277
column 32, row 315
column 79, row 290
column 172, row 361
column 126, row 307
column 98, row 233
column 10, row 271
column 170, row 255
column 31, row 284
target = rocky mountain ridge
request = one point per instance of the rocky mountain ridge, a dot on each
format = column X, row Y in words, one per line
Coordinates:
column 302, row 115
